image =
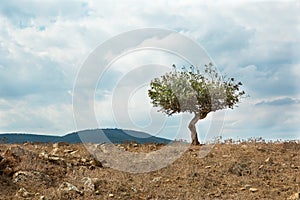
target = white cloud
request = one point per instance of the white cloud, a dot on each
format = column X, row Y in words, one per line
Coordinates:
column 28, row 116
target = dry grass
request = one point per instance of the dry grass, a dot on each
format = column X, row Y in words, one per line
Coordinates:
column 272, row 168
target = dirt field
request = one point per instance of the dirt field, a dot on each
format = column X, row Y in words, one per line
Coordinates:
column 245, row 170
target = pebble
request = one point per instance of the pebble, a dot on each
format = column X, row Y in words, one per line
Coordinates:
column 269, row 160
column 226, row 156
column 295, row 196
column 253, row 189
column 247, row 186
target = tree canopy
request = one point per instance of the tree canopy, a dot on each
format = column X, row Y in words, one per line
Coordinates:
column 189, row 90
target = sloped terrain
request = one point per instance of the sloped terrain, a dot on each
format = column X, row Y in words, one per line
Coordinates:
column 245, row 170
column 115, row 136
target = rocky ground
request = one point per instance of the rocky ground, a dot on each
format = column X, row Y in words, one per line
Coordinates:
column 244, row 170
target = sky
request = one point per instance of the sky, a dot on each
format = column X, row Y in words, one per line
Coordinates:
column 43, row 46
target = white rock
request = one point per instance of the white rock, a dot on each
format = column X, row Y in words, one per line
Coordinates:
column 89, row 183
column 253, row 189
column 68, row 187
column 295, row 196
column 22, row 192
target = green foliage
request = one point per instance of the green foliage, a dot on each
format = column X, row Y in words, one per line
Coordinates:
column 188, row 90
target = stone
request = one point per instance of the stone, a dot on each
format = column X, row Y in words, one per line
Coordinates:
column 295, row 196
column 111, row 195
column 22, row 192
column 14, row 151
column 8, row 171
column 55, row 145
column 89, row 184
column 96, row 163
column 68, row 187
column 68, row 151
column 239, row 169
column 226, row 156
column 59, row 144
column 57, row 160
column 54, row 151
column 30, row 176
column 97, row 192
column 73, row 152
column 269, row 160
column 247, row 186
column 156, row 179
column 253, row 189
column 261, row 149
column 44, row 155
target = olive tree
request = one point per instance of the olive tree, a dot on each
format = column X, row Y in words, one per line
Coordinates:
column 189, row 90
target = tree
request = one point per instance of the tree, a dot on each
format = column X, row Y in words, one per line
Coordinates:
column 189, row 90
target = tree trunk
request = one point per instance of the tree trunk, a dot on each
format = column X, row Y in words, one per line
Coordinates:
column 192, row 127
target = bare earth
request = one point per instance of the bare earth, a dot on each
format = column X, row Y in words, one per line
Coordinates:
column 247, row 170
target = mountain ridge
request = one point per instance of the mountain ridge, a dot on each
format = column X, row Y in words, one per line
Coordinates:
column 108, row 135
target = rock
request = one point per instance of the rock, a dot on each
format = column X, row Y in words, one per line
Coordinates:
column 261, row 166
column 68, row 187
column 89, row 184
column 57, row 160
column 30, row 176
column 54, row 151
column 247, row 186
column 253, row 189
column 239, row 169
column 156, row 179
column 1, row 158
column 295, row 196
column 111, row 195
column 55, row 145
column 244, row 146
column 96, row 163
column 22, row 192
column 8, row 171
column 226, row 156
column 59, row 144
column 269, row 160
column 14, row 152
column 44, row 155
column 208, row 167
column 69, row 151
column 292, row 166
column 73, row 152
column 261, row 149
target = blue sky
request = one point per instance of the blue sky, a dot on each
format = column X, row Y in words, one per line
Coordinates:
column 43, row 46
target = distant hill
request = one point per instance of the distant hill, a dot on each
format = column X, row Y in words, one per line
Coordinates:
column 116, row 136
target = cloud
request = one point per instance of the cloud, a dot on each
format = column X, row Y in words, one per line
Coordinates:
column 270, row 122
column 33, row 116
column 279, row 102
